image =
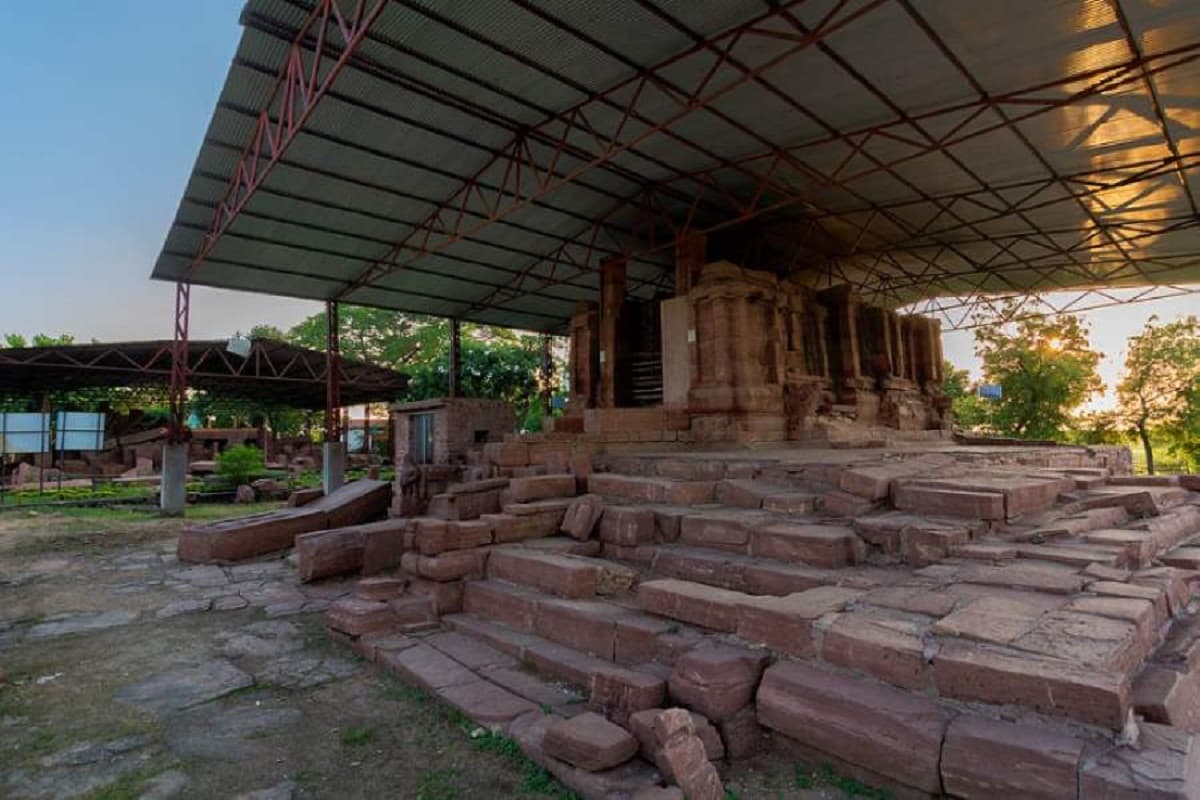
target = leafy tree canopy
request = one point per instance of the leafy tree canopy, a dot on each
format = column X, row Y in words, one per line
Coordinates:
column 1046, row 369
column 1158, row 389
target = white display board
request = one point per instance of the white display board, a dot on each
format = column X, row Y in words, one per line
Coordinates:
column 24, row 433
column 78, row 430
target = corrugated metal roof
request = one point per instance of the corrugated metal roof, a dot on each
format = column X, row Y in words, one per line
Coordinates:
column 919, row 148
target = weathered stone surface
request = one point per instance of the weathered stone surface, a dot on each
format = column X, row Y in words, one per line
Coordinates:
column 79, row 622
column 219, row 732
column 322, row 554
column 229, row 540
column 784, row 624
column 354, row 616
column 718, row 681
column 380, row 587
column 820, row 545
column 724, row 529
column 844, row 504
column 560, row 575
column 486, row 703
column 968, row 671
column 302, row 497
column 582, row 516
column 512, row 605
column 990, row 619
column 590, row 742
column 1163, row 695
column 427, row 667
column 641, row 725
column 541, row 487
column 506, row 454
column 1164, row 765
column 451, row 565
column 618, row 690
column 741, row 734
column 682, row 758
column 357, row 502
column 436, row 536
column 589, row 626
column 185, row 687
column 993, row 760
column 626, row 525
column 383, row 544
column 888, row 650
column 888, row 731
column 700, row 605
column 950, row 502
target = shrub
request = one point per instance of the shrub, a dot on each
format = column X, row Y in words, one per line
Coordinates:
column 240, row 463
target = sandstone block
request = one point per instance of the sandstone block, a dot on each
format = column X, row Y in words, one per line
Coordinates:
column 627, row 526
column 705, row 606
column 613, row 689
column 542, row 487
column 723, row 530
column 582, row 516
column 506, row 454
column 381, row 588
column 511, row 605
column 231, row 540
column 889, row 731
column 383, row 544
column 874, row 647
column 435, row 536
column 741, row 734
column 357, row 502
column 1162, row 695
column 820, row 545
column 967, row 671
column 995, row 760
column 590, row 742
column 950, row 502
column 784, row 624
column 717, row 681
column 682, row 758
column 560, row 575
column 354, row 617
column 1164, row 765
column 321, row 554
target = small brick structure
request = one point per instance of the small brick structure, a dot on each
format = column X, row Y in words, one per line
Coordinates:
column 445, row 430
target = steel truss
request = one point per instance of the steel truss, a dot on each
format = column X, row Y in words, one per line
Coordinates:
column 878, row 247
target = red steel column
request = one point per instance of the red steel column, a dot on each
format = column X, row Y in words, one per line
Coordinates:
column 177, row 398
column 333, row 374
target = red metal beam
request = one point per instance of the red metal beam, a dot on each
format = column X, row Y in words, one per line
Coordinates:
column 304, row 79
column 177, row 393
column 529, row 171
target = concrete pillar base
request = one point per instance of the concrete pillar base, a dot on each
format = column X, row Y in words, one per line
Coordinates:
column 333, row 465
column 172, row 492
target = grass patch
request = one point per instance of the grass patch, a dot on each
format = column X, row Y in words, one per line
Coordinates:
column 129, row 786
column 536, row 781
column 437, row 783
column 804, row 778
column 357, row 736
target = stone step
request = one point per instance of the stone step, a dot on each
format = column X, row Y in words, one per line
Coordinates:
column 603, row 629
column 541, row 487
column 749, row 493
column 723, row 528
column 562, row 575
column 605, row 685
column 756, row 576
column 816, row 545
column 642, row 489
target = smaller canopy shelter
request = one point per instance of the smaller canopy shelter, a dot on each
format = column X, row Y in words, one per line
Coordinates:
column 272, row 371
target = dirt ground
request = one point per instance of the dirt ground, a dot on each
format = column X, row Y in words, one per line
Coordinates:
column 124, row 674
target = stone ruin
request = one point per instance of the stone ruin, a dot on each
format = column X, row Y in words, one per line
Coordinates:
column 923, row 618
column 745, row 356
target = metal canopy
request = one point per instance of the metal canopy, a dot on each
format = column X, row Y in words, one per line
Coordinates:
column 272, row 372
column 480, row 160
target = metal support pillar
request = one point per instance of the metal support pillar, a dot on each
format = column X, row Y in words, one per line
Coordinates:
column 172, row 490
column 455, row 384
column 333, row 462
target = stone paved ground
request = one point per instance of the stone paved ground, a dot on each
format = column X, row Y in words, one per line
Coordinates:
column 124, row 674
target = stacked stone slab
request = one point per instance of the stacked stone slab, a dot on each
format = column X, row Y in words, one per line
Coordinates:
column 232, row 540
column 921, row 647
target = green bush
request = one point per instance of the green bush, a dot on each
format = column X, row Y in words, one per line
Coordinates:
column 240, row 463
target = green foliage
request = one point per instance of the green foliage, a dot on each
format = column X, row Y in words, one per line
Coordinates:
column 1046, row 369
column 1158, row 389
column 357, row 736
column 240, row 463
column 1099, row 427
column 970, row 411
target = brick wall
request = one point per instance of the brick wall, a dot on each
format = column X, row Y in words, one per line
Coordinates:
column 459, row 425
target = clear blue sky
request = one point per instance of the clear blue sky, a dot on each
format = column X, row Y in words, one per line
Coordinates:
column 103, row 108
column 104, row 105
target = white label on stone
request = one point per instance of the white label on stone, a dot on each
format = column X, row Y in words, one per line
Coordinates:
column 691, row 335
column 601, row 356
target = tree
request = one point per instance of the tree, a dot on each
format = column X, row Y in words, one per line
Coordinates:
column 970, row 412
column 1162, row 372
column 1046, row 369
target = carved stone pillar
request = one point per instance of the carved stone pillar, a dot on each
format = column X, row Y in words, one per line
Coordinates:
column 612, row 297
column 739, row 342
column 585, row 356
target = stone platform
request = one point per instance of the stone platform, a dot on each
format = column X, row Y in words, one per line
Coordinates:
column 922, row 617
